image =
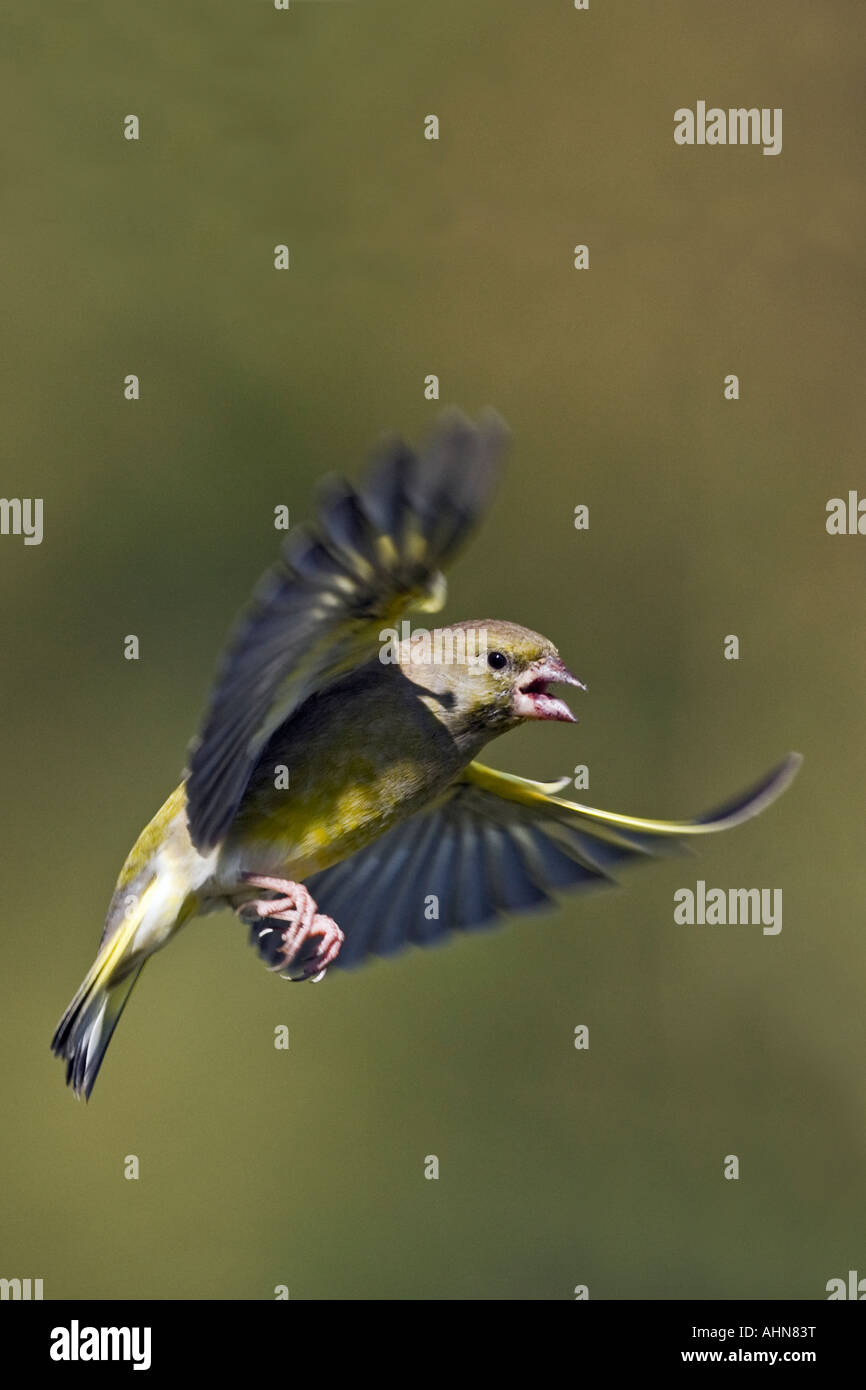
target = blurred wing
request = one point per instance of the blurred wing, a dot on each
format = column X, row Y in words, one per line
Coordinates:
column 496, row 844
column 370, row 554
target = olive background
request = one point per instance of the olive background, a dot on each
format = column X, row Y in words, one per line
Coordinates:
column 558, row 1167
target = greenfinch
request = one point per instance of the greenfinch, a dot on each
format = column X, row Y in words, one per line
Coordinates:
column 335, row 786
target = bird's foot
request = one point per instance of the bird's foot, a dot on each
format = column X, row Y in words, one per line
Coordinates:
column 305, row 947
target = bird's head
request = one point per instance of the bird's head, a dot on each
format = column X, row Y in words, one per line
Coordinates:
column 487, row 676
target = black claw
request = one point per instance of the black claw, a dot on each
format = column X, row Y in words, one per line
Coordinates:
column 268, row 941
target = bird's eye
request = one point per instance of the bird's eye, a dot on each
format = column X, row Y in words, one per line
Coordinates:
column 496, row 660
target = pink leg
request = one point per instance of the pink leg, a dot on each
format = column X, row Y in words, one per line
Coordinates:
column 310, row 942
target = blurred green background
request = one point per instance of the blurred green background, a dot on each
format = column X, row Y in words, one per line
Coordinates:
column 558, row 1167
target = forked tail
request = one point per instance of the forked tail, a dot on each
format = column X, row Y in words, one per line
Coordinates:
column 137, row 926
column 85, row 1030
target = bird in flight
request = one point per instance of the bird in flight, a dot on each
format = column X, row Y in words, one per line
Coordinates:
column 334, row 798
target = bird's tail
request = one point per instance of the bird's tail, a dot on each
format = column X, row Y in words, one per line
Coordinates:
column 154, row 895
column 85, row 1030
column 146, row 910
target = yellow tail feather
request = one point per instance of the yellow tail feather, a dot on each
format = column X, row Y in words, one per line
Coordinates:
column 85, row 1030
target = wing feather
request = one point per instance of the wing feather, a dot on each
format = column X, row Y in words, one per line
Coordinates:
column 371, row 554
column 497, row 844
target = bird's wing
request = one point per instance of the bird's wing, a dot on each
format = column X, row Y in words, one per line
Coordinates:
column 370, row 555
column 495, row 844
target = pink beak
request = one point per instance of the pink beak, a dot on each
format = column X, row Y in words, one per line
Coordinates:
column 531, row 700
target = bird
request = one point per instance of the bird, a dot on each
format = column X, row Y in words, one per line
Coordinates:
column 334, row 798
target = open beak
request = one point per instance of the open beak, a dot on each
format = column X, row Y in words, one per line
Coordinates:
column 531, row 700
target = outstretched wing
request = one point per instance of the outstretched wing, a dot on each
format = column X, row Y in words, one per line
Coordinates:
column 370, row 554
column 495, row 844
